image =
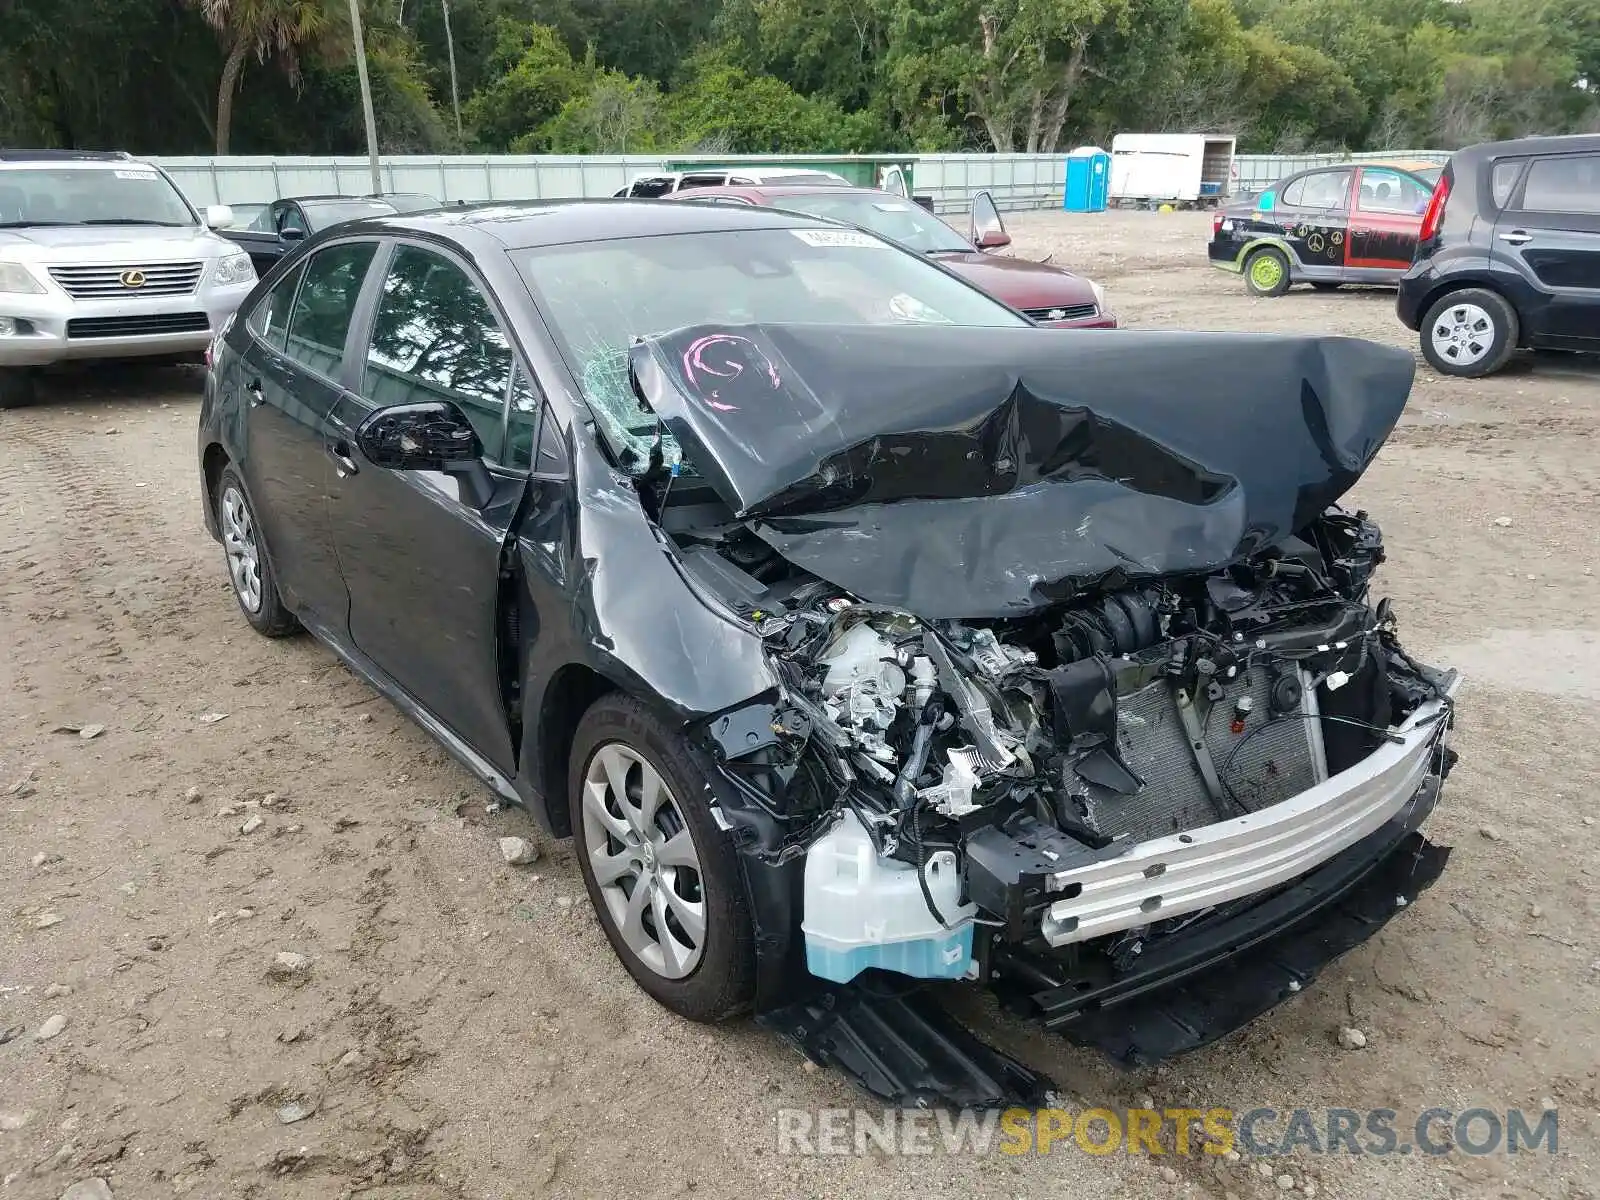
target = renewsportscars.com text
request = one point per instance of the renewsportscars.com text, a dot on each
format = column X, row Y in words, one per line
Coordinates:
column 1261, row 1132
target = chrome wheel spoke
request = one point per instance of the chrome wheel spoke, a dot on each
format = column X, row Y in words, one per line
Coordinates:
column 594, row 806
column 652, row 791
column 691, row 916
column 610, row 868
column 615, row 768
column 678, row 851
column 674, row 954
column 632, row 922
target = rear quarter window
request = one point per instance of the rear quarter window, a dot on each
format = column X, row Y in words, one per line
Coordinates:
column 320, row 318
column 1503, row 180
column 269, row 320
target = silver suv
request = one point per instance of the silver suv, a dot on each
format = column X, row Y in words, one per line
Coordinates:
column 101, row 257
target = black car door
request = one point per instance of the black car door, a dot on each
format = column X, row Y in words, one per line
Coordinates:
column 1549, row 233
column 289, row 372
column 1314, row 216
column 422, row 566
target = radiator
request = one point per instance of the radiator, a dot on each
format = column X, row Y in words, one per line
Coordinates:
column 1275, row 757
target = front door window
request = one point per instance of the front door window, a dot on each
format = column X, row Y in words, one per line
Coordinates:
column 436, row 338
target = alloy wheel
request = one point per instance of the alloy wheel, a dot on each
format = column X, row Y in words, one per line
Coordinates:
column 244, row 554
column 1462, row 334
column 644, row 860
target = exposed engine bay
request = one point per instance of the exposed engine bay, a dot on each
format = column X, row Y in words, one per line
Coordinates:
column 931, row 751
column 1054, row 682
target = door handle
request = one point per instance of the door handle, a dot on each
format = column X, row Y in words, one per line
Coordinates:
column 1517, row 237
column 344, row 465
column 253, row 388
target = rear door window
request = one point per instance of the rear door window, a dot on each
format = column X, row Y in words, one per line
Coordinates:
column 1567, row 184
column 436, row 337
column 320, row 320
column 269, row 320
column 704, row 180
column 1319, row 190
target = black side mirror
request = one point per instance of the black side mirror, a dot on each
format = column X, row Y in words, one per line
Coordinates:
column 291, row 233
column 434, row 435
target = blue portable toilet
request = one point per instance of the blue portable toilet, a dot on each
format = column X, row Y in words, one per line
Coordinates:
column 1088, row 180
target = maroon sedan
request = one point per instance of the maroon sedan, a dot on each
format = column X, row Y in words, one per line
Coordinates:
column 1048, row 294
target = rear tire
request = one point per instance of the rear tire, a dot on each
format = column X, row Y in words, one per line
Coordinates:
column 688, row 941
column 16, row 387
column 1266, row 272
column 1470, row 333
column 255, row 588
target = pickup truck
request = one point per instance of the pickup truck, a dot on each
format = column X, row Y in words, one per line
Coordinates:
column 282, row 225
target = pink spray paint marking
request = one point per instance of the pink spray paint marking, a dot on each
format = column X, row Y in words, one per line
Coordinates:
column 696, row 364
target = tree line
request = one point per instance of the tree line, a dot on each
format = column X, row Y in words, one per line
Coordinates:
column 791, row 76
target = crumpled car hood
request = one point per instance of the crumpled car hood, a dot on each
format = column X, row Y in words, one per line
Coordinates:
column 962, row 472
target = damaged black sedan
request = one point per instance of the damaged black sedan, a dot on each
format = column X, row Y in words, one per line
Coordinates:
column 853, row 627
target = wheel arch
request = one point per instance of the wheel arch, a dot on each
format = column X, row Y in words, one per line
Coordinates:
column 213, row 462
column 1268, row 242
column 1464, row 283
column 568, row 695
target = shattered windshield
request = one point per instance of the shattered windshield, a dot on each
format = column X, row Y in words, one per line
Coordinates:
column 601, row 296
column 907, row 223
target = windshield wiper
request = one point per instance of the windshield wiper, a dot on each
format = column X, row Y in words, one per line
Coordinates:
column 131, row 221
column 31, row 224
column 948, row 250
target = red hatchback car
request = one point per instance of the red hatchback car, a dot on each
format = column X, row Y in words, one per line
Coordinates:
column 1047, row 294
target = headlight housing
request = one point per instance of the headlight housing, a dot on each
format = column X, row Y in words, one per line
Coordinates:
column 1099, row 295
column 16, row 278
column 235, row 268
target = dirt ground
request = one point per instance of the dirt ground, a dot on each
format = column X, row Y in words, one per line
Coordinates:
column 463, row 1029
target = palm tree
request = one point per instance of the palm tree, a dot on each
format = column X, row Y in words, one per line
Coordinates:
column 264, row 28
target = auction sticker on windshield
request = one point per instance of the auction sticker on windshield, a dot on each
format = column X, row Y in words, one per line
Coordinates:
column 839, row 237
column 134, row 174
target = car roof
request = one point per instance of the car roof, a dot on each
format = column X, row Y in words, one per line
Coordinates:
column 761, row 173
column 1575, row 143
column 778, row 190
column 1412, row 165
column 527, row 224
column 755, row 173
column 66, row 156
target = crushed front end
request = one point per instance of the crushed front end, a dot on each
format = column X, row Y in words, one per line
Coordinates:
column 1042, row 803
column 1088, row 774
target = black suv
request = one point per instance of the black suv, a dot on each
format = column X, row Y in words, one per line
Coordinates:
column 1508, row 255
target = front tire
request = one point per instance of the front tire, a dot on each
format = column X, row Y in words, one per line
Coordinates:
column 16, row 387
column 663, row 878
column 1470, row 333
column 1266, row 272
column 255, row 588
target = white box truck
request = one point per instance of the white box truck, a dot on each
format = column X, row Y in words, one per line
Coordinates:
column 1183, row 169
